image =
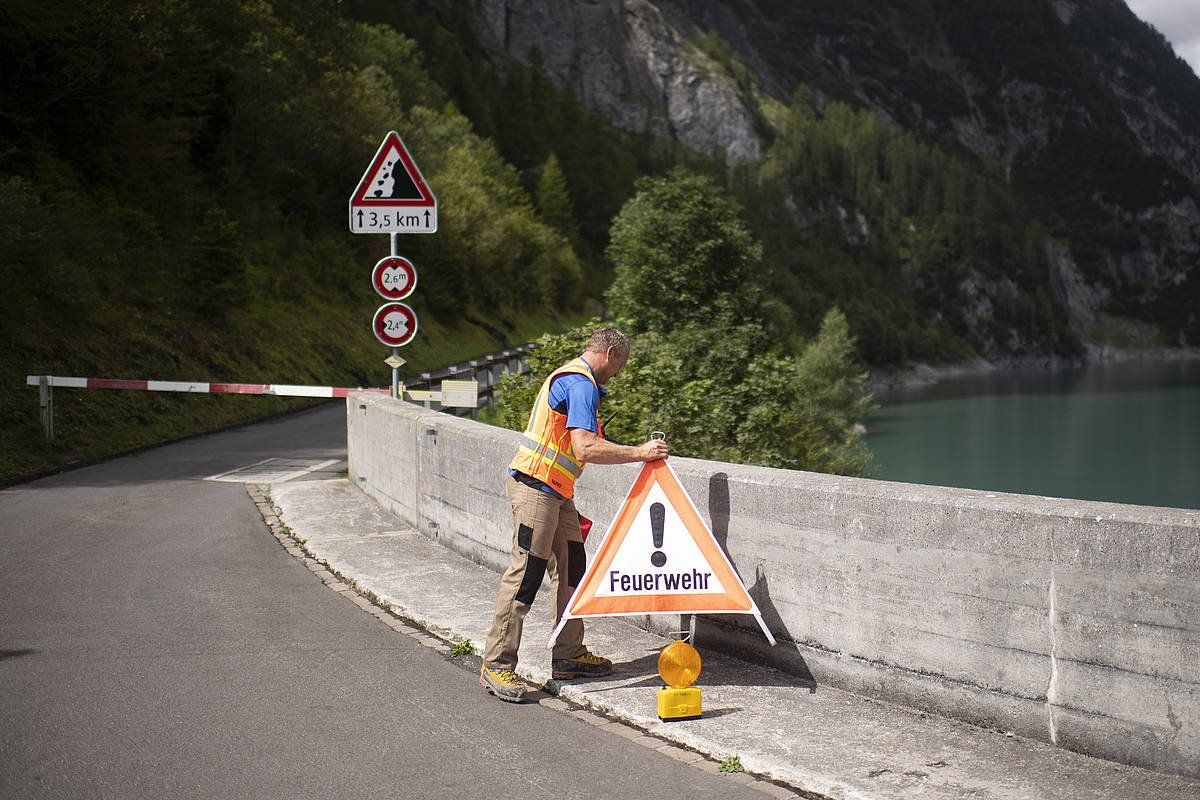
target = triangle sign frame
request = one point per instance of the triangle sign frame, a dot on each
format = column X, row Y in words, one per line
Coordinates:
column 393, row 144
column 590, row 599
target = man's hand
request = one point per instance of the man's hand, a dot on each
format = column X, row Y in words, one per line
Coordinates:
column 590, row 448
column 653, row 450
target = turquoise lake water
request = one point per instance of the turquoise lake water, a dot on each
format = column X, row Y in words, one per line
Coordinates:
column 1127, row 432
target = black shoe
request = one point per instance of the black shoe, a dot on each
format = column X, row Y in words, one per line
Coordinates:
column 588, row 665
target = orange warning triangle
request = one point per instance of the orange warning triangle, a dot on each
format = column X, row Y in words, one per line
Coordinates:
column 659, row 557
column 393, row 179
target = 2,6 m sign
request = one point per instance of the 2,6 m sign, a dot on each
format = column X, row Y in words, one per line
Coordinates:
column 392, row 196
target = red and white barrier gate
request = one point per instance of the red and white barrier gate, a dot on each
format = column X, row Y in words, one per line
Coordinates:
column 457, row 393
column 279, row 389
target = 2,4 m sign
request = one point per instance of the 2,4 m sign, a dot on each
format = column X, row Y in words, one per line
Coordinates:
column 392, row 196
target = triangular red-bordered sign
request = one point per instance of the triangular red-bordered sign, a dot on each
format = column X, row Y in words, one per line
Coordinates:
column 393, row 179
column 659, row 557
column 392, row 196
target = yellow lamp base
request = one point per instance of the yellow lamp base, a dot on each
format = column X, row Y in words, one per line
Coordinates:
column 678, row 704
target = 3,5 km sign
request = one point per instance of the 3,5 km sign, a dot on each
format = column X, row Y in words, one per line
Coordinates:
column 392, row 196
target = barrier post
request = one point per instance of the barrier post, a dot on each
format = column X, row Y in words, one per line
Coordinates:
column 46, row 403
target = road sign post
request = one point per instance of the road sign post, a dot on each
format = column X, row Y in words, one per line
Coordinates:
column 392, row 197
column 395, row 362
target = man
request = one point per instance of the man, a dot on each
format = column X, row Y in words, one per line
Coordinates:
column 563, row 434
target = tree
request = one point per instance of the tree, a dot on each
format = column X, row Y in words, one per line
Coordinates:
column 681, row 253
column 816, row 404
column 554, row 202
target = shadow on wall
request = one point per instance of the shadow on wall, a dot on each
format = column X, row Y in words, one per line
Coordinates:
column 736, row 629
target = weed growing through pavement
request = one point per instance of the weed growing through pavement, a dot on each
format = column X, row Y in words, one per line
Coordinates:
column 464, row 648
column 731, row 764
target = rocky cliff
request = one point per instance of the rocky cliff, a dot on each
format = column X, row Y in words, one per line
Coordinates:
column 1156, row 91
column 1077, row 104
column 626, row 59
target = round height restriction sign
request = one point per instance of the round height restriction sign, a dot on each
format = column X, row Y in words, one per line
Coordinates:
column 394, row 277
column 395, row 324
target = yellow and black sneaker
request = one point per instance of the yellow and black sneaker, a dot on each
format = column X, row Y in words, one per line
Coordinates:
column 503, row 683
column 588, row 665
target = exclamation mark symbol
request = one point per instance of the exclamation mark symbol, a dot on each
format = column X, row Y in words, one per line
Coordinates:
column 658, row 517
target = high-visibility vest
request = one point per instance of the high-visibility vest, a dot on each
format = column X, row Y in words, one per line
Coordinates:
column 546, row 453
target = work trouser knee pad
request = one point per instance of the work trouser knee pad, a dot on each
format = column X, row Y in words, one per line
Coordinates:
column 576, row 563
column 531, row 581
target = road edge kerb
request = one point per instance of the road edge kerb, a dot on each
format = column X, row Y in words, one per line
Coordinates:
column 587, row 713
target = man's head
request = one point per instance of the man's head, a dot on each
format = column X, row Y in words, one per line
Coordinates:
column 607, row 351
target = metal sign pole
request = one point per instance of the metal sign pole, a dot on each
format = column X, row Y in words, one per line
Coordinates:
column 395, row 351
column 396, row 369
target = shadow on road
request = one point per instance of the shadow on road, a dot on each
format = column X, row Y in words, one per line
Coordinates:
column 712, row 674
column 25, row 651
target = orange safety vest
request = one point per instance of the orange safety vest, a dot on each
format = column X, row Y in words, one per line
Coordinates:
column 546, row 453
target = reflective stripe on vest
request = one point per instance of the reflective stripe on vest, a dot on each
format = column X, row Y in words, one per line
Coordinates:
column 552, row 453
column 546, row 454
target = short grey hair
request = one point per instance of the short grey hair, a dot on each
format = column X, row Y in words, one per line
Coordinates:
column 606, row 337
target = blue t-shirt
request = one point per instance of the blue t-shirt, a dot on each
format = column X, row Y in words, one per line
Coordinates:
column 577, row 397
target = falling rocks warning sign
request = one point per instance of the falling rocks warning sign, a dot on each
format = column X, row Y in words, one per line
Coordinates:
column 392, row 196
column 659, row 557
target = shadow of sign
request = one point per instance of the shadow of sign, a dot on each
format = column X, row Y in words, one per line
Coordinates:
column 733, row 630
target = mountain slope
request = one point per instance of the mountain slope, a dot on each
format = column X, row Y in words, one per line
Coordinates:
column 1079, row 108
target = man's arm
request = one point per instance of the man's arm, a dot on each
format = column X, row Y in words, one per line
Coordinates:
column 591, row 449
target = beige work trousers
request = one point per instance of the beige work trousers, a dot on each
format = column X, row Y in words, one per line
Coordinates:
column 546, row 535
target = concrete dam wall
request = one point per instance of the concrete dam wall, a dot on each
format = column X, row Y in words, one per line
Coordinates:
column 1067, row 621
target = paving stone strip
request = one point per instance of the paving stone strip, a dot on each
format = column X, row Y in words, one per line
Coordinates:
column 385, row 612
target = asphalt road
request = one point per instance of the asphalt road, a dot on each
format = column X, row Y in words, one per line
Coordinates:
column 157, row 642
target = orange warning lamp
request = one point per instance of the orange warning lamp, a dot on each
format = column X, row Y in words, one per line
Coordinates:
column 679, row 666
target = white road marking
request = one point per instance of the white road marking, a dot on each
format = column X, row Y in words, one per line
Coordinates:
column 272, row 470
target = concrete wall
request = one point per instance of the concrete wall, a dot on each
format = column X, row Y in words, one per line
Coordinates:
column 1067, row 621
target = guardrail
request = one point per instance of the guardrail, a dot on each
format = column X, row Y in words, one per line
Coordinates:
column 485, row 370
